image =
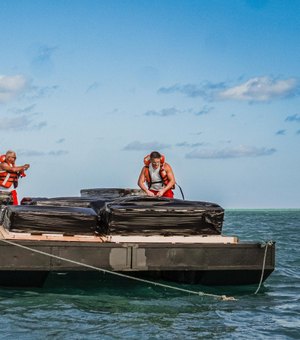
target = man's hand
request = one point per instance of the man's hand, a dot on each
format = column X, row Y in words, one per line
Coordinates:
column 160, row 193
column 150, row 193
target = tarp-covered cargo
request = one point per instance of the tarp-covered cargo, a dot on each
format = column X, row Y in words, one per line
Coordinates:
column 65, row 220
column 5, row 198
column 110, row 193
column 83, row 202
column 161, row 216
column 115, row 211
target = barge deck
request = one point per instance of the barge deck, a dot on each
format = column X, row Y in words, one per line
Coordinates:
column 27, row 258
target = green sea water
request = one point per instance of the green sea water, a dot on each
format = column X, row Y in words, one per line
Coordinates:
column 105, row 307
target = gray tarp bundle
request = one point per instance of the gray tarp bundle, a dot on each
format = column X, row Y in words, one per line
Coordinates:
column 152, row 216
column 45, row 219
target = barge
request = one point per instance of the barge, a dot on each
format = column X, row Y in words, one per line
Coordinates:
column 28, row 254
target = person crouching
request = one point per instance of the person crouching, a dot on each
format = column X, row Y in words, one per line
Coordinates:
column 158, row 175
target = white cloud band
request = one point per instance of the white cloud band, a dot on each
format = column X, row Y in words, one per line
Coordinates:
column 238, row 152
column 261, row 89
column 11, row 86
column 258, row 89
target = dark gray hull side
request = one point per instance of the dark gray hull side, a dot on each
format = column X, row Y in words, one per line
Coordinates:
column 208, row 264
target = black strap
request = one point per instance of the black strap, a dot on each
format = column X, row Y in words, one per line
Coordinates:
column 157, row 182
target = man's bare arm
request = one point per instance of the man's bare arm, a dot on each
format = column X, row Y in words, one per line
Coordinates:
column 6, row 167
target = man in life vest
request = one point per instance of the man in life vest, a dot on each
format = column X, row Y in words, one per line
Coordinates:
column 10, row 173
column 158, row 175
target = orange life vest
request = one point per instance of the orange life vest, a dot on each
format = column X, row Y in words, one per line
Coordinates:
column 162, row 171
column 7, row 179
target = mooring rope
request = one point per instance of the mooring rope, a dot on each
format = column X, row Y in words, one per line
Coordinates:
column 266, row 245
column 222, row 297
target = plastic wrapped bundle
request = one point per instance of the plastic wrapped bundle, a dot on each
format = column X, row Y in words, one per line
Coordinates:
column 110, row 193
column 83, row 202
column 98, row 205
column 2, row 213
column 65, row 220
column 5, row 198
column 161, row 216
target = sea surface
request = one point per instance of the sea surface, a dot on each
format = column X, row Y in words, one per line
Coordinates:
column 105, row 307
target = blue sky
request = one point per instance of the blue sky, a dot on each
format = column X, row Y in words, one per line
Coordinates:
column 88, row 88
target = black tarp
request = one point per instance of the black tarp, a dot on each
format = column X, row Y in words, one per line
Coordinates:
column 82, row 202
column 110, row 193
column 2, row 213
column 120, row 211
column 5, row 198
column 49, row 219
column 160, row 216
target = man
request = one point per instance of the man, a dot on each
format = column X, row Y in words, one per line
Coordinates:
column 10, row 173
column 158, row 175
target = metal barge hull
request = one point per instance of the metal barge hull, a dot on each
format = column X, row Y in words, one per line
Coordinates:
column 217, row 261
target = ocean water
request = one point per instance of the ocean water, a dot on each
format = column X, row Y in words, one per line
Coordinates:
column 105, row 307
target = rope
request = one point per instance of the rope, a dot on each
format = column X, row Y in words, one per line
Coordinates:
column 222, row 297
column 266, row 245
column 180, row 191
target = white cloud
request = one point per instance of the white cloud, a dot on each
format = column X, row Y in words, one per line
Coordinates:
column 11, row 86
column 42, row 59
column 163, row 112
column 237, row 152
column 189, row 145
column 39, row 125
column 44, row 53
column 20, row 123
column 261, row 89
column 206, row 89
column 172, row 111
column 36, row 153
column 293, row 118
column 16, row 123
column 27, row 109
column 57, row 152
column 35, row 92
column 258, row 89
column 205, row 110
column 138, row 146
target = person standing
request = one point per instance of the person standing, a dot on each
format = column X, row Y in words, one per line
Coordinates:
column 10, row 173
column 158, row 175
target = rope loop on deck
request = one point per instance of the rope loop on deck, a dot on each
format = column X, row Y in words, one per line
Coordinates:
column 221, row 297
